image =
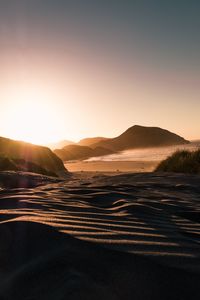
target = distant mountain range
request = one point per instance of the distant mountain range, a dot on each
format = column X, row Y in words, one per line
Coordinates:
column 91, row 141
column 21, row 156
column 75, row 152
column 133, row 138
column 60, row 145
column 142, row 137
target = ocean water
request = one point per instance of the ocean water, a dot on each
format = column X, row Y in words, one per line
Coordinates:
column 150, row 154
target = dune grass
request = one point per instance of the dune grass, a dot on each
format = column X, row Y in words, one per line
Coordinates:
column 182, row 161
column 11, row 164
column 7, row 164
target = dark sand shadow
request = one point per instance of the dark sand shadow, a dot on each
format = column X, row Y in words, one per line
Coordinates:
column 38, row 262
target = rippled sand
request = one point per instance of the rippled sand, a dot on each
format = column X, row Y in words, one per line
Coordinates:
column 128, row 236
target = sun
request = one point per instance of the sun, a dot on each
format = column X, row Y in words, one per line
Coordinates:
column 31, row 115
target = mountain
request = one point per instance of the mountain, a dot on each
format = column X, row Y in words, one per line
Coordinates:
column 60, row 144
column 17, row 155
column 91, row 141
column 134, row 137
column 73, row 152
column 141, row 137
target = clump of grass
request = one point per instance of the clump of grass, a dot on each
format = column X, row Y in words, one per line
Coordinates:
column 11, row 164
column 181, row 161
column 7, row 164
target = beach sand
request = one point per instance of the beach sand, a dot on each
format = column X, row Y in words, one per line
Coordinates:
column 111, row 166
column 93, row 236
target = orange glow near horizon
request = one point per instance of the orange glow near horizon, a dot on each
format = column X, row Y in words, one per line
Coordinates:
column 74, row 70
column 45, row 107
column 31, row 116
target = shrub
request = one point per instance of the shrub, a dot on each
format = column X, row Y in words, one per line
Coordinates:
column 181, row 162
column 7, row 164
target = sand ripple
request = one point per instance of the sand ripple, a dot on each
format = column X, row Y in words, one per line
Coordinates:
column 134, row 236
column 151, row 214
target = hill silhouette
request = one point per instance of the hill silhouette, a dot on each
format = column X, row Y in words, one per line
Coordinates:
column 74, row 152
column 60, row 144
column 17, row 155
column 141, row 137
column 91, row 141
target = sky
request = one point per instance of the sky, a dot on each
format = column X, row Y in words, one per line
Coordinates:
column 75, row 69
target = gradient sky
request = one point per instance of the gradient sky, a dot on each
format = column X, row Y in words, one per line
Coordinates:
column 94, row 68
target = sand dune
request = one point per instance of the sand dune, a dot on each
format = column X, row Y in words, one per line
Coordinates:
column 21, row 156
column 130, row 236
column 19, row 179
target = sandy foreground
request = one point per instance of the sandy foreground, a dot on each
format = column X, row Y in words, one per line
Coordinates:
column 93, row 236
column 112, row 166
